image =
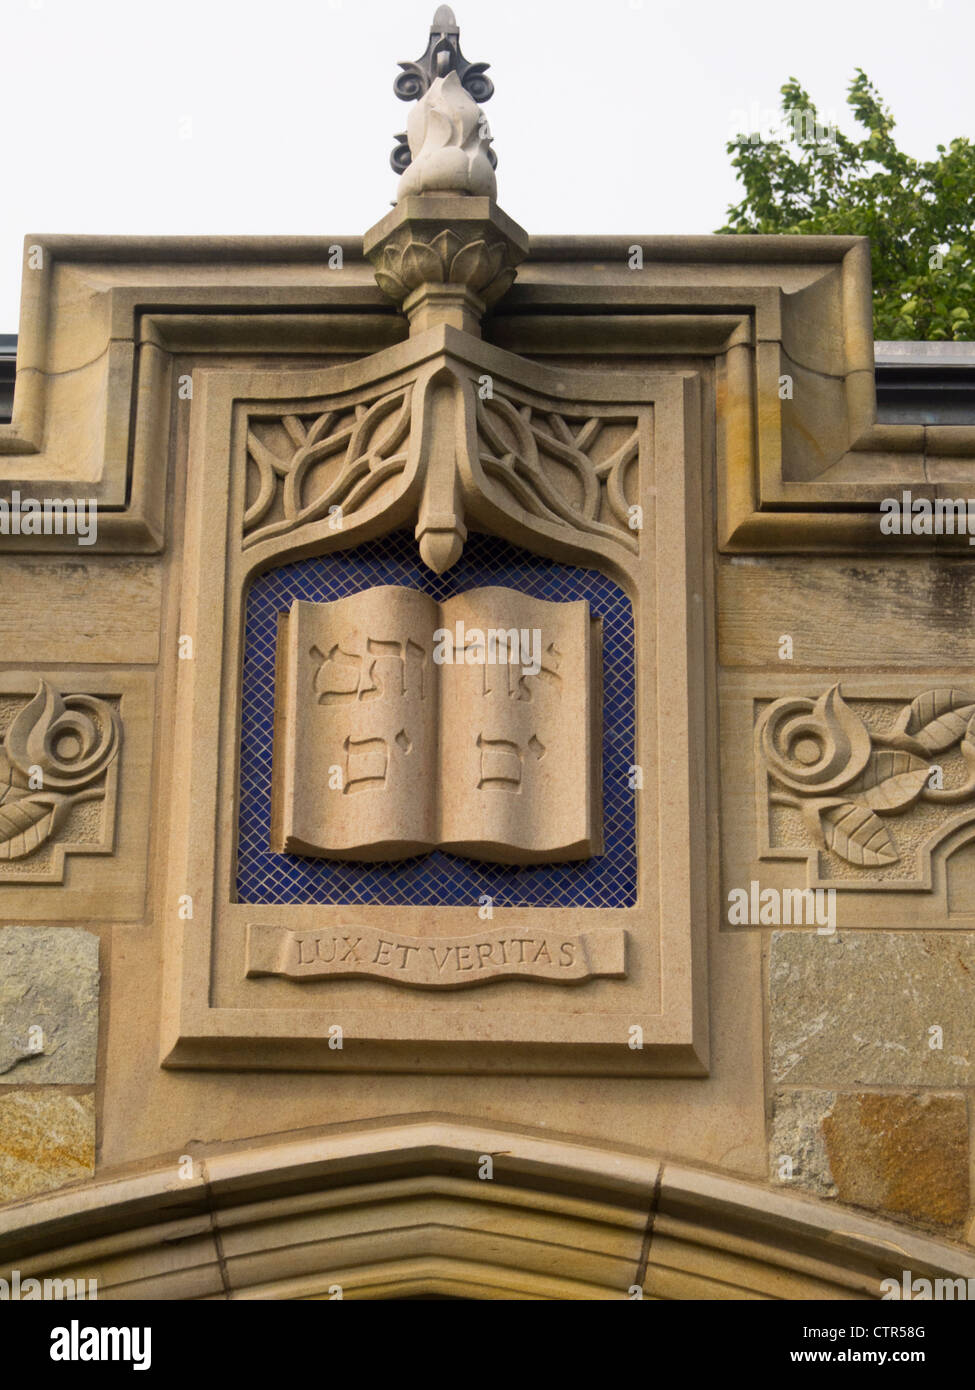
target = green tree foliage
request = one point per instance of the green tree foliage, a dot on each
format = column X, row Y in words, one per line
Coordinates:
column 918, row 214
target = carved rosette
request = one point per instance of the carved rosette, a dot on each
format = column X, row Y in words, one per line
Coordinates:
column 847, row 776
column 57, row 753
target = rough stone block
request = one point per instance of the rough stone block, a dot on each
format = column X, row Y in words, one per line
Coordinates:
column 797, row 1147
column 904, row 1156
column 872, row 1008
column 47, row 1138
column 48, row 1005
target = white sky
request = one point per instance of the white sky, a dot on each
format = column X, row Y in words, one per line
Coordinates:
column 607, row 117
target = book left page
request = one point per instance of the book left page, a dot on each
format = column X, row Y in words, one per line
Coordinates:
column 355, row 737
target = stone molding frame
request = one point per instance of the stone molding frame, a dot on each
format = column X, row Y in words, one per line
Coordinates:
column 805, row 474
column 396, row 1210
column 109, row 326
column 214, row 1015
column 102, row 319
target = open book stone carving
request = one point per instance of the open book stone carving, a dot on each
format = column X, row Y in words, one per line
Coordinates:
column 403, row 725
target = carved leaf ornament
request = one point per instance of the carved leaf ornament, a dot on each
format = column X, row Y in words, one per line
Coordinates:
column 55, row 755
column 846, row 779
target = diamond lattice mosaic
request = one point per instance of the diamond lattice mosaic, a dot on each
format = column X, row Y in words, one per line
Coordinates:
column 436, row 879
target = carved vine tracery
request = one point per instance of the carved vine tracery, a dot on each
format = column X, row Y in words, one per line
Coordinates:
column 576, row 471
column 337, row 459
column 513, row 442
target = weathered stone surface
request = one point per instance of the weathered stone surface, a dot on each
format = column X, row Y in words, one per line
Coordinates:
column 47, row 1138
column 797, row 1135
column 863, row 1008
column 903, row 1155
column 48, row 982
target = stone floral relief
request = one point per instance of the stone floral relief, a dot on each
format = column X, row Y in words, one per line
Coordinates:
column 868, row 788
column 59, row 755
column 580, row 472
column 484, row 263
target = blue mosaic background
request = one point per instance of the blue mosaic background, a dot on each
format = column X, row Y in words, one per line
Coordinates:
column 436, row 879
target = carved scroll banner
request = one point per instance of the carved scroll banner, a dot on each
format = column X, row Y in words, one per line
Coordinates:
column 445, row 962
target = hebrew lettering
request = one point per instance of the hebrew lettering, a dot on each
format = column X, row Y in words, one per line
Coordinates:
column 471, row 725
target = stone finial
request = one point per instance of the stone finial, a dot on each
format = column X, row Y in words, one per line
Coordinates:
column 449, row 144
column 446, row 253
column 443, row 59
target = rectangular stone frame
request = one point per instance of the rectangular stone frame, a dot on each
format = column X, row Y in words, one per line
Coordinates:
column 214, row 1016
column 102, row 318
column 108, row 322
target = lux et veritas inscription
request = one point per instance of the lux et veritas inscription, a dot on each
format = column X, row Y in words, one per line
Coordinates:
column 445, row 962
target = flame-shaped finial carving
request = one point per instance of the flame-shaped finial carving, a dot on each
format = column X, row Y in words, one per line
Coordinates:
column 441, row 60
column 449, row 142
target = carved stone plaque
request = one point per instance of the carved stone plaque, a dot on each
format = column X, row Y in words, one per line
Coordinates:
column 58, row 781
column 417, row 728
column 863, row 788
column 74, row 793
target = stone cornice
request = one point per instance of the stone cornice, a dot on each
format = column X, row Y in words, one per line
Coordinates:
column 95, row 389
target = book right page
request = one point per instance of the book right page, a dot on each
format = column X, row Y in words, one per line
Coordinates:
column 519, row 731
